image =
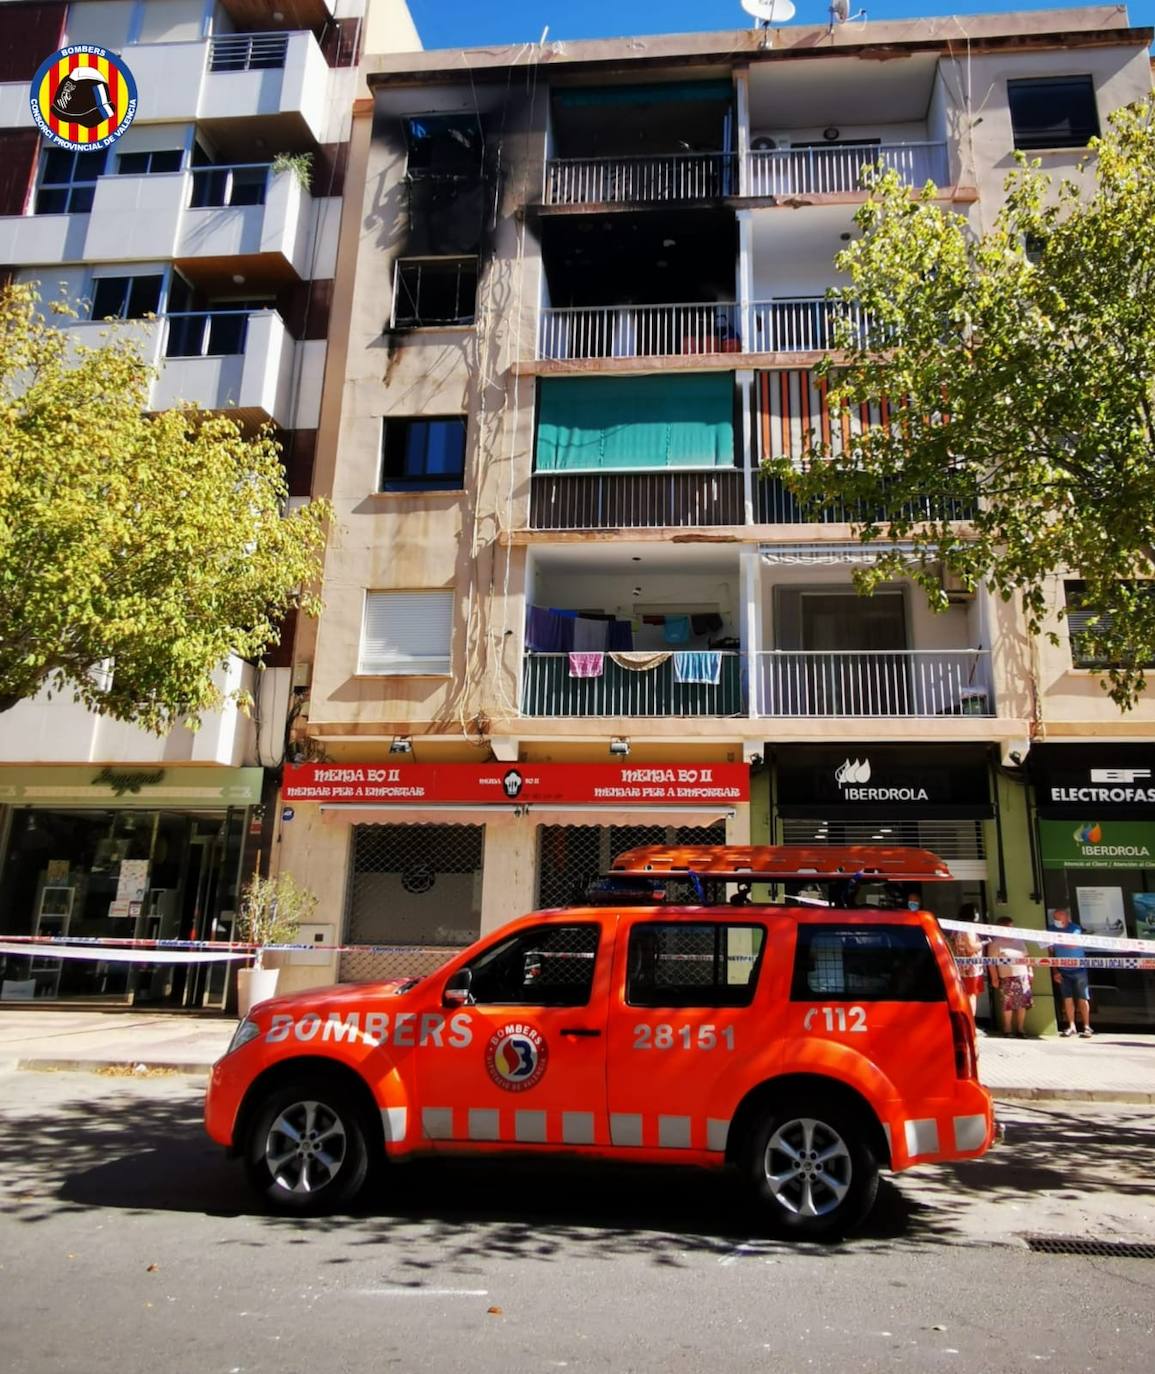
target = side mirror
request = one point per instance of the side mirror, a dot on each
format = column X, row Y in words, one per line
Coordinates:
column 456, row 991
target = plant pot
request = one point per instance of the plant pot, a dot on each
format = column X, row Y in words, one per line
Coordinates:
column 255, row 985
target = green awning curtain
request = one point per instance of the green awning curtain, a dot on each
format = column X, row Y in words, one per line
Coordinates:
column 661, row 93
column 621, row 424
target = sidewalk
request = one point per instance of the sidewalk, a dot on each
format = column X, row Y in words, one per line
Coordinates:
column 1110, row 1068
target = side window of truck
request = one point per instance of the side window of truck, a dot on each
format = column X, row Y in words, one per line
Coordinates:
column 675, row 964
column 874, row 963
column 548, row 966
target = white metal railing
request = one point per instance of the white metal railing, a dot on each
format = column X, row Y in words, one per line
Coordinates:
column 636, row 500
column 238, row 183
column 804, row 324
column 246, row 52
column 825, row 170
column 649, row 177
column 206, row 333
column 638, row 331
column 927, row 683
column 549, row 690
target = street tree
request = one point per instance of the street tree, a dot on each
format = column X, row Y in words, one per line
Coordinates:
column 1016, row 370
column 137, row 551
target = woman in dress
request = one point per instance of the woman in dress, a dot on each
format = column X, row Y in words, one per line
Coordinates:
column 967, row 944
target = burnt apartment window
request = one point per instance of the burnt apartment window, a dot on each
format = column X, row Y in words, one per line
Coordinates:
column 424, row 455
column 126, row 298
column 432, row 291
column 1053, row 112
column 443, row 145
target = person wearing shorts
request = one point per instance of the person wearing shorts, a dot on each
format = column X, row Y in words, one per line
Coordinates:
column 1073, row 983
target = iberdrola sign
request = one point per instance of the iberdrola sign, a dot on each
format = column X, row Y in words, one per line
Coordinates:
column 1098, row 844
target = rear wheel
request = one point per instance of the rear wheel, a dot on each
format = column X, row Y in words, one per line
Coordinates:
column 308, row 1149
column 811, row 1168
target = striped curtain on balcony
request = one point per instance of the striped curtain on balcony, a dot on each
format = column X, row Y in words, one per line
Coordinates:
column 793, row 413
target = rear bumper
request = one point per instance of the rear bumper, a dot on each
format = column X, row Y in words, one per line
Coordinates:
column 939, row 1130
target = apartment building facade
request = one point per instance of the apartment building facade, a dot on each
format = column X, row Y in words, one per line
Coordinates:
column 208, row 229
column 564, row 613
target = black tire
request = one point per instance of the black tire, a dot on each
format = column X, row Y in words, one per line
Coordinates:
column 318, row 1172
column 804, row 1195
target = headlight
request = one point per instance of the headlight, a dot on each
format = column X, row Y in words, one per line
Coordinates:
column 246, row 1031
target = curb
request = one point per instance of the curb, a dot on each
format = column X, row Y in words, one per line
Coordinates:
column 1124, row 1095
column 127, row 1066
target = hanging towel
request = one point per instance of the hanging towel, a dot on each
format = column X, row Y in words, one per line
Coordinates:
column 548, row 632
column 708, row 624
column 590, row 635
column 586, row 665
column 698, row 665
column 677, row 629
column 621, row 635
column 641, row 662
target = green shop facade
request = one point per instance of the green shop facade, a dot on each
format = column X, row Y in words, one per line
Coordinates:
column 133, row 852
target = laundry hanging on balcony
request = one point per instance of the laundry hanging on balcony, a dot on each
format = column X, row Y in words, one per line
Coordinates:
column 676, row 629
column 587, row 665
column 698, row 666
column 641, row 661
column 549, row 631
column 590, row 636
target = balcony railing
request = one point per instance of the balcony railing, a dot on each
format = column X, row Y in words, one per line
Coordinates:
column 652, row 177
column 805, row 324
column 549, row 690
column 838, row 168
column 206, row 333
column 775, row 505
column 910, row 683
column 638, row 331
column 636, row 500
column 247, row 52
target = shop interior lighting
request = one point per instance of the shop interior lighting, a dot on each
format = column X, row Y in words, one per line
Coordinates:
column 402, row 744
column 619, row 746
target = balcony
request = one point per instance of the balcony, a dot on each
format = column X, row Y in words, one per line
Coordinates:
column 636, row 500
column 775, row 505
column 837, row 169
column 269, row 74
column 242, row 210
column 803, row 324
column 900, row 683
column 228, row 359
column 135, row 218
column 549, row 690
column 640, row 180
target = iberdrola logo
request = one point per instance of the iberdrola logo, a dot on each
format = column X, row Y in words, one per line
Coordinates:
column 83, row 98
column 1091, row 833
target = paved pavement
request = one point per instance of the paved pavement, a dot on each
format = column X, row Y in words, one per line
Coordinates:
column 1109, row 1068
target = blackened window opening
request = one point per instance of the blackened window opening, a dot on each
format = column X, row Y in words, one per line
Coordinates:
column 435, row 291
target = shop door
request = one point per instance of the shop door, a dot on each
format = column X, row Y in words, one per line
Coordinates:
column 534, row 1072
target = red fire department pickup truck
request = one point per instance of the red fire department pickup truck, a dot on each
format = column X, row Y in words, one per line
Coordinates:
column 806, row 1046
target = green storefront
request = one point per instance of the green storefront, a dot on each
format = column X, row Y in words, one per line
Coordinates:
column 133, row 852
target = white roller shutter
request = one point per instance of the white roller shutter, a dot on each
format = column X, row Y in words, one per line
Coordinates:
column 407, row 632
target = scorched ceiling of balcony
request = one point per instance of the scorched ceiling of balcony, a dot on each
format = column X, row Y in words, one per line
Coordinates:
column 630, row 120
column 640, row 259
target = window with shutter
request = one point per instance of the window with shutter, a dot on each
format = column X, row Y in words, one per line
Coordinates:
column 1080, row 628
column 407, row 633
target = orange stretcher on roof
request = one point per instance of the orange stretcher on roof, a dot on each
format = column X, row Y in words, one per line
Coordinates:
column 777, row 862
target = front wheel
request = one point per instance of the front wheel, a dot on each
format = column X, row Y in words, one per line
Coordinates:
column 811, row 1169
column 308, row 1149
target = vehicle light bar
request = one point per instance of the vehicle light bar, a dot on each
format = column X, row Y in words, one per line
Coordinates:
column 777, row 862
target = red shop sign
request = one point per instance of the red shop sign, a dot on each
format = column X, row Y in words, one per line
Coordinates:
column 659, row 784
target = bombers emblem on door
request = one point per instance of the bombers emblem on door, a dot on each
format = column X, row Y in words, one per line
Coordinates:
column 516, row 1056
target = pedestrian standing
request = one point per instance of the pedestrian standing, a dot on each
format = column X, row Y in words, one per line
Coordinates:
column 1011, row 975
column 1072, row 981
column 967, row 944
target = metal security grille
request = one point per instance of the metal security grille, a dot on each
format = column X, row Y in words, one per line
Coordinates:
column 414, row 898
column 1084, row 1245
column 571, row 856
column 947, row 839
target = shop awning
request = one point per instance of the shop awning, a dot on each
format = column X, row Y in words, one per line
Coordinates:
column 828, row 554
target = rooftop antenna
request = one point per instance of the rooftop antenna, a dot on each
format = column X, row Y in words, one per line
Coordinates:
column 840, row 13
column 769, row 13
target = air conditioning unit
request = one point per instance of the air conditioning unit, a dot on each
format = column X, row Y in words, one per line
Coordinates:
column 763, row 144
column 953, row 585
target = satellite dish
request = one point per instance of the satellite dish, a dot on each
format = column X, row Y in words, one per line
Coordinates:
column 840, row 9
column 770, row 11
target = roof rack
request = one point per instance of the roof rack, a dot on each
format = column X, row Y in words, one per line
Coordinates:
column 780, row 862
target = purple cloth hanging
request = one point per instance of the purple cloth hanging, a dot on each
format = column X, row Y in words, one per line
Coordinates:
column 621, row 636
column 547, row 632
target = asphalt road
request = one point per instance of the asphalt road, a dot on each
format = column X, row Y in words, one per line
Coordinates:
column 128, row 1243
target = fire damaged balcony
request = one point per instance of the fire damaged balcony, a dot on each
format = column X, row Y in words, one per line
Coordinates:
column 641, row 144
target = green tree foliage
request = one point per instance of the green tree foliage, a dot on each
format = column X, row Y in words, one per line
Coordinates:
column 137, row 552
column 1018, row 369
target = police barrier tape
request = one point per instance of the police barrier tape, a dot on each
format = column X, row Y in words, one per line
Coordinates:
column 1055, row 938
column 1092, row 961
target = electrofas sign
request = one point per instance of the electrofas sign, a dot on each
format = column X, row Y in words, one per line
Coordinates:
column 518, row 783
column 83, row 98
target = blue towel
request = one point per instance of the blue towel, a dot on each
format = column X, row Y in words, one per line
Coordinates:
column 698, row 665
column 677, row 629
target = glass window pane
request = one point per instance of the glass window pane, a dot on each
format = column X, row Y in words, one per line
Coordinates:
column 132, row 164
column 80, row 200
column 445, row 453
column 550, row 966
column 227, row 334
column 144, row 296
column 166, row 160
column 865, row 963
column 58, row 166
column 702, row 965
column 1050, row 113
column 108, row 297
column 53, row 201
column 248, row 186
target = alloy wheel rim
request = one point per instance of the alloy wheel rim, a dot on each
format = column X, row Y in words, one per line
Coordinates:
column 305, row 1147
column 808, row 1167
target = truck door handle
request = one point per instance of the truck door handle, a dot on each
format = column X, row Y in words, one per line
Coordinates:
column 583, row 1031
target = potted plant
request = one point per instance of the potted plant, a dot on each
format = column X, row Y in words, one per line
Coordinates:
column 271, row 913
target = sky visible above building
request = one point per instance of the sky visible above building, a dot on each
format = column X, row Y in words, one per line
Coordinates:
column 464, row 24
